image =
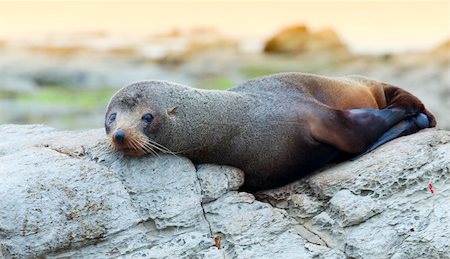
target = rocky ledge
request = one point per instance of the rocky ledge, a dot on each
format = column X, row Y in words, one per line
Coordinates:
column 66, row 194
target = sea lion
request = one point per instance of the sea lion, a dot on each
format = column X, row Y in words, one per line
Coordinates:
column 275, row 128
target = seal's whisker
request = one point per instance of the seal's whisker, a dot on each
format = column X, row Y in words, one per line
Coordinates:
column 141, row 142
column 130, row 144
column 150, row 149
column 168, row 151
column 164, row 150
column 140, row 146
column 147, row 144
column 150, row 144
column 154, row 152
column 133, row 144
column 157, row 148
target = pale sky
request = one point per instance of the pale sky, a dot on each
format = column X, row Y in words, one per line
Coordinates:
column 371, row 25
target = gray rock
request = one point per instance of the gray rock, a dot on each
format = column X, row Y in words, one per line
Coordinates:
column 67, row 194
column 380, row 205
column 49, row 208
column 216, row 180
column 352, row 209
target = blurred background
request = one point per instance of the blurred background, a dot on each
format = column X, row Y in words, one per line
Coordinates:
column 60, row 62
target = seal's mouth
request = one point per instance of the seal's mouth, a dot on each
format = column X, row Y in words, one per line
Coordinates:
column 135, row 144
column 129, row 143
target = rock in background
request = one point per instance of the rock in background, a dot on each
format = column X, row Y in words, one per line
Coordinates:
column 66, row 194
column 300, row 40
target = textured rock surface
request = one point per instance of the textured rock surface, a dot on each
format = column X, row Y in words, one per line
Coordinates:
column 66, row 194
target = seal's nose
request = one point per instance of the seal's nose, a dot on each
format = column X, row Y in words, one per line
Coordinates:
column 119, row 136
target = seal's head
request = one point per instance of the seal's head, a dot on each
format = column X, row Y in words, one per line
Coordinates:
column 135, row 117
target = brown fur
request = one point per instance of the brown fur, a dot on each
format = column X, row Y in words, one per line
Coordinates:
column 275, row 128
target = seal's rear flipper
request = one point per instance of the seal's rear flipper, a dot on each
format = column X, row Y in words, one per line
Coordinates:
column 353, row 131
column 398, row 98
column 405, row 127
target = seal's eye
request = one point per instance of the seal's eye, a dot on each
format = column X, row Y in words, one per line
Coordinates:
column 147, row 117
column 112, row 117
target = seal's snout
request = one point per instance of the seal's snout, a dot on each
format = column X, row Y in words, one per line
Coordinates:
column 119, row 136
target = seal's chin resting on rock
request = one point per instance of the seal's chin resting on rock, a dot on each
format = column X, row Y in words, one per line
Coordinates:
column 128, row 143
column 129, row 134
column 136, row 144
column 275, row 128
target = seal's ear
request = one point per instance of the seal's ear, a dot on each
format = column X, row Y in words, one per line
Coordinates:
column 171, row 111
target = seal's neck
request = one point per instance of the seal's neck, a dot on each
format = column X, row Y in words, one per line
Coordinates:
column 204, row 119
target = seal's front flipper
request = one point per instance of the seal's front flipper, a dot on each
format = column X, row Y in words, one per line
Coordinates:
column 405, row 127
column 354, row 131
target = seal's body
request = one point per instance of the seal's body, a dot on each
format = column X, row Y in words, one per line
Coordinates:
column 275, row 128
